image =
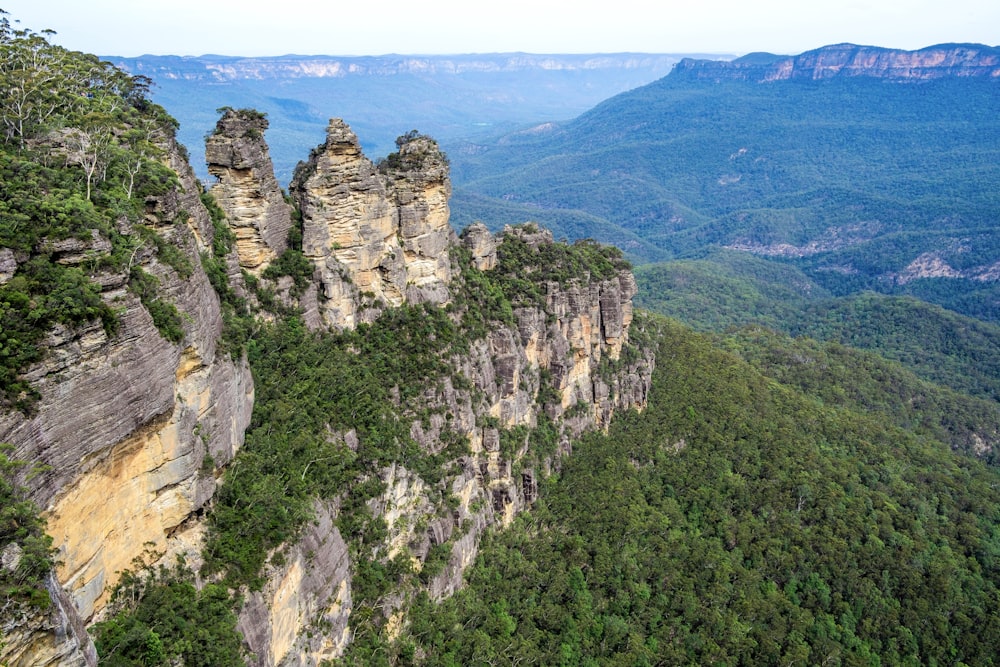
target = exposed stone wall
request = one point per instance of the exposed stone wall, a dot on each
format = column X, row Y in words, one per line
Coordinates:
column 376, row 239
column 136, row 429
column 301, row 616
column 850, row 60
column 124, row 423
column 247, row 189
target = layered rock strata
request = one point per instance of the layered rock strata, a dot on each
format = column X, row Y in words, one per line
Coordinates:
column 247, row 189
column 378, row 237
column 131, row 429
column 850, row 60
column 134, row 430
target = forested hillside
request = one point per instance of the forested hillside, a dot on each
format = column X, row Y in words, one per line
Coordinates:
column 737, row 521
column 730, row 289
column 859, row 182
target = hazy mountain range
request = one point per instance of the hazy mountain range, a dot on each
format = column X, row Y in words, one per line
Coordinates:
column 383, row 97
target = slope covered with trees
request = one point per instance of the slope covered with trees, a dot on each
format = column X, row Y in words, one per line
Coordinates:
column 736, row 521
column 861, row 183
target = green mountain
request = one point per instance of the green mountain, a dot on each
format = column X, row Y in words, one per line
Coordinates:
column 244, row 428
column 729, row 290
column 865, row 180
column 737, row 520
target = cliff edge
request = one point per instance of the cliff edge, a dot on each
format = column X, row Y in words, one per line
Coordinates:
column 850, row 60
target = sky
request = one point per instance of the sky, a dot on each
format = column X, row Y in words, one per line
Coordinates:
column 359, row 27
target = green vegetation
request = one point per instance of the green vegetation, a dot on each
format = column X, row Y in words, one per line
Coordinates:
column 726, row 289
column 524, row 266
column 165, row 316
column 157, row 617
column 841, row 376
column 848, row 180
column 79, row 152
column 23, row 540
column 309, row 386
column 735, row 521
column 731, row 289
column 937, row 344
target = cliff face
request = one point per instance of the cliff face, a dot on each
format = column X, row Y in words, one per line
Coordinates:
column 135, row 430
column 377, row 238
column 849, row 60
column 380, row 237
column 247, row 190
column 131, row 428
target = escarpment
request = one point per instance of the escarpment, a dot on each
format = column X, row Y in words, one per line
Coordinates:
column 550, row 357
column 501, row 350
column 850, row 60
column 130, row 428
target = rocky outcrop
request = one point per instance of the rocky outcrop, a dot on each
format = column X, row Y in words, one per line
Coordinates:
column 481, row 245
column 377, row 237
column 246, row 189
column 130, row 428
column 300, row 617
column 553, row 363
column 134, row 430
column 850, row 60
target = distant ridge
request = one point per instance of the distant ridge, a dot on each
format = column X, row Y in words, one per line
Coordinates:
column 851, row 60
column 237, row 68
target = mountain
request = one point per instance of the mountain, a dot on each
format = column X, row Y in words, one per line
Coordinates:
column 382, row 97
column 248, row 427
column 875, row 180
column 850, row 60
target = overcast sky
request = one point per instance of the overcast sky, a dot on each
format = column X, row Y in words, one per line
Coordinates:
column 359, row 27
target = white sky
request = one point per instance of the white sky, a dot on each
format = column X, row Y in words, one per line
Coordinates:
column 375, row 27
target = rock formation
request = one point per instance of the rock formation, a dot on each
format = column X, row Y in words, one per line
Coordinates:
column 131, row 428
column 850, row 60
column 378, row 237
column 134, row 429
column 246, row 189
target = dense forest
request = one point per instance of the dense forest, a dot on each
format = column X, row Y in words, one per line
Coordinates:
column 849, row 180
column 779, row 500
column 738, row 520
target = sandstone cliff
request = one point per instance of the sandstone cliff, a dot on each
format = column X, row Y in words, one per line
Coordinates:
column 246, row 189
column 130, row 428
column 849, row 60
column 377, row 237
column 135, row 430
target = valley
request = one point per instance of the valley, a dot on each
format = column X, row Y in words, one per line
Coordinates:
column 706, row 374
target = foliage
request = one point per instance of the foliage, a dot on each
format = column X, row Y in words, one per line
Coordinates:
column 849, row 180
column 726, row 289
column 735, row 521
column 166, row 318
column 937, row 344
column 294, row 264
column 22, row 587
column 79, row 154
column 157, row 617
column 525, row 267
column 309, row 388
column 863, row 381
column 730, row 289
column 237, row 324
